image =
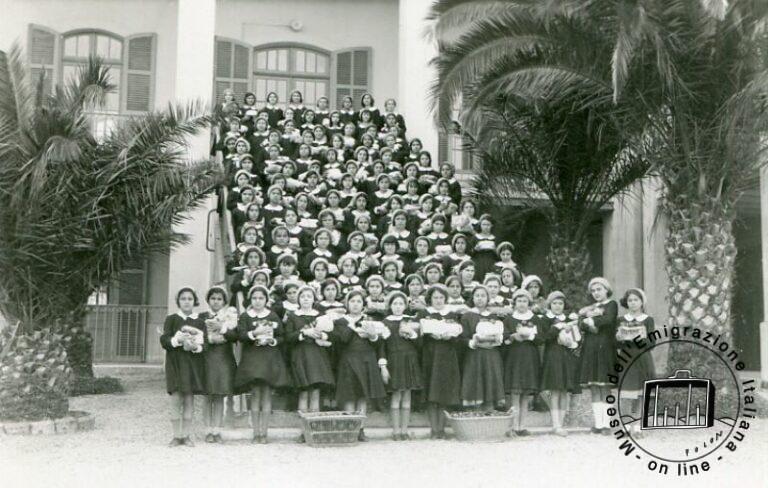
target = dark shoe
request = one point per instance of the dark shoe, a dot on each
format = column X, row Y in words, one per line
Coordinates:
column 256, row 439
column 595, row 430
column 210, row 439
column 175, row 442
column 441, row 434
column 361, row 436
column 396, row 437
column 264, row 439
column 187, row 441
column 405, row 436
column 433, row 436
column 522, row 433
column 217, row 439
column 301, row 439
column 605, row 431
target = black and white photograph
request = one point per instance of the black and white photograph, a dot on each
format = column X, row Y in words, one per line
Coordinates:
column 383, row 243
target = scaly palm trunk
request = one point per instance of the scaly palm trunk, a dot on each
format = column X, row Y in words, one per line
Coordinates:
column 700, row 257
column 570, row 268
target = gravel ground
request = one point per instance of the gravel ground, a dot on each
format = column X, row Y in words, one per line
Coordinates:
column 128, row 448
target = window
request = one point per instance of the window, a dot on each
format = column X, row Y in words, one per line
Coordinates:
column 231, row 68
column 352, row 79
column 452, row 142
column 131, row 62
column 285, row 68
column 79, row 46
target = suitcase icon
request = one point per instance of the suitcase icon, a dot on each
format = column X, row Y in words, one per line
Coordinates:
column 681, row 401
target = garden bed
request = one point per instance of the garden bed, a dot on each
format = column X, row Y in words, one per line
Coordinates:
column 75, row 421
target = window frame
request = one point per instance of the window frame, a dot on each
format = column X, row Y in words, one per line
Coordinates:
column 291, row 75
column 65, row 60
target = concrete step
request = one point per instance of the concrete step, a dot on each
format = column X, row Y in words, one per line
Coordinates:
column 291, row 420
column 291, row 435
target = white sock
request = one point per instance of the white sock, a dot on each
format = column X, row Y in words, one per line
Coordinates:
column 597, row 412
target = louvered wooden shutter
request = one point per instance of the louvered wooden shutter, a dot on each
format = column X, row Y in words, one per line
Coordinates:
column 139, row 73
column 43, row 52
column 231, row 68
column 442, row 146
column 352, row 74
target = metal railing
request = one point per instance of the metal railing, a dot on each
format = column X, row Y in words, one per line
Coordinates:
column 120, row 332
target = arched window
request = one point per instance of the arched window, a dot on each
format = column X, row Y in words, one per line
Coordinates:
column 79, row 45
column 282, row 68
column 131, row 61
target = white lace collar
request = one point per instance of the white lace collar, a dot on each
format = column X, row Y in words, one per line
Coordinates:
column 351, row 321
column 485, row 237
column 456, row 256
column 437, row 235
column 403, row 234
column 510, row 264
column 258, row 315
column 522, row 315
column 344, row 279
column 484, row 313
column 385, row 194
column 394, row 285
column 395, row 317
column 326, row 303
column 638, row 318
column 273, row 206
column 551, row 315
column 306, row 313
column 445, row 311
column 192, row 316
column 322, row 252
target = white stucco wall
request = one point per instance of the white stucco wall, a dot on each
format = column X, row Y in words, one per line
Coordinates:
column 328, row 24
column 119, row 17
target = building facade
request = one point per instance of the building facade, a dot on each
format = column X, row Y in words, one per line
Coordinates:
column 165, row 50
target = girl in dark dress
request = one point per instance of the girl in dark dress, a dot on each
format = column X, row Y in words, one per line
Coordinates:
column 261, row 366
column 560, row 371
column 484, row 252
column 403, row 368
column 359, row 376
column 483, row 374
column 635, row 323
column 521, row 364
column 183, row 340
column 310, row 362
column 440, row 361
column 221, row 327
column 598, row 354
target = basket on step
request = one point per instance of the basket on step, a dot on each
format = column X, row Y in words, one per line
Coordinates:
column 472, row 427
column 329, row 429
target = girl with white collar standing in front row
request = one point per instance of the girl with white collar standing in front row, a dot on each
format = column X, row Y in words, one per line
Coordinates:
column 220, row 366
column 261, row 366
column 362, row 368
column 635, row 323
column 521, row 365
column 598, row 354
column 183, row 339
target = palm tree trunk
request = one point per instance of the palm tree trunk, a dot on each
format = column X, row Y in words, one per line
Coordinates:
column 700, row 257
column 570, row 268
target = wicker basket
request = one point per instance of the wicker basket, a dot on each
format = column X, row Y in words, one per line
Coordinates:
column 480, row 428
column 329, row 429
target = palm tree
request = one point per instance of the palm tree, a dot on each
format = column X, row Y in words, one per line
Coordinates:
column 709, row 149
column 694, row 75
column 75, row 210
column 568, row 153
